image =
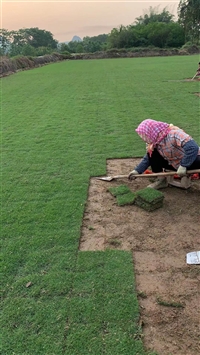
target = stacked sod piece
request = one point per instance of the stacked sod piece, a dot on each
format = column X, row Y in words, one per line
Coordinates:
column 123, row 194
column 149, row 199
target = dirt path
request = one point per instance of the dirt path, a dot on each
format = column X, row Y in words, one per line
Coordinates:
column 168, row 289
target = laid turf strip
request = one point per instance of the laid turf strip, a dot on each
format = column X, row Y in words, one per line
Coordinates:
column 119, row 190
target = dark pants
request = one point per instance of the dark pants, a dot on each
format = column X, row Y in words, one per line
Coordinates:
column 158, row 163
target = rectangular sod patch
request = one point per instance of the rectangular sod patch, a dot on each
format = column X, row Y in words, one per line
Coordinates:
column 119, row 190
column 149, row 199
column 126, row 199
column 123, row 194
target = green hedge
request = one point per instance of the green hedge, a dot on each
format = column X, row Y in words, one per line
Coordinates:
column 12, row 65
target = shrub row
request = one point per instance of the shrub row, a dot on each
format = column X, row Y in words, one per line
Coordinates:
column 139, row 52
column 11, row 65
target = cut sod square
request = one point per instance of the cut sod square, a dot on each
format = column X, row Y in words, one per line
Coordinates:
column 149, row 199
column 119, row 190
column 126, row 199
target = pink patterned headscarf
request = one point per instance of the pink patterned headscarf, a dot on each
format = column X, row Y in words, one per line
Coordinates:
column 152, row 132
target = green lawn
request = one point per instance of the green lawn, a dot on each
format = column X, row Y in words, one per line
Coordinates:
column 60, row 123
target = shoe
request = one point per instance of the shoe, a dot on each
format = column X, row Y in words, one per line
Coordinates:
column 160, row 183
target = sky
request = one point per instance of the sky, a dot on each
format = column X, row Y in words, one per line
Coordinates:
column 66, row 18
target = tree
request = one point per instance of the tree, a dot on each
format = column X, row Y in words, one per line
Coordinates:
column 39, row 38
column 175, row 37
column 64, row 48
column 34, row 37
column 25, row 41
column 91, row 46
column 163, row 35
column 28, row 50
column 40, row 51
column 154, row 16
column 189, row 19
column 100, row 38
column 79, row 48
column 72, row 46
column 150, row 31
column 157, row 34
column 113, row 38
column 122, row 37
column 5, row 41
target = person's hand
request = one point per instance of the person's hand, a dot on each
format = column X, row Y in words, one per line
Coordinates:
column 133, row 174
column 181, row 171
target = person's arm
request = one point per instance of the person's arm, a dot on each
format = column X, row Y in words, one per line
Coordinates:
column 140, row 168
column 191, row 149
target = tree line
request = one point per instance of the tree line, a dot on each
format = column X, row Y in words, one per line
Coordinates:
column 158, row 29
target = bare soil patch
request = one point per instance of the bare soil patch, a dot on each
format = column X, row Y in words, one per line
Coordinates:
column 185, row 80
column 168, row 289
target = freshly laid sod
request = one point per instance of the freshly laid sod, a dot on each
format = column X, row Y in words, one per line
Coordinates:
column 60, row 123
column 119, row 190
column 126, row 199
column 123, row 194
column 148, row 198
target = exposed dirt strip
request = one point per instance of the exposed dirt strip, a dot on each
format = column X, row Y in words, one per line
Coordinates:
column 168, row 289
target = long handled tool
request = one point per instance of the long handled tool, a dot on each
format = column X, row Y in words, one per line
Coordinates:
column 194, row 76
column 167, row 173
